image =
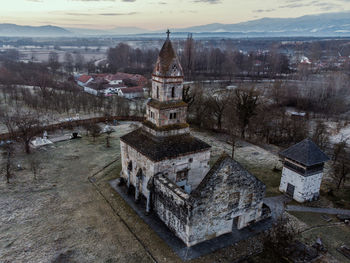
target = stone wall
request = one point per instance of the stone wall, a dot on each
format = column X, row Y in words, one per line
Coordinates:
column 171, row 205
column 165, row 86
column 227, row 199
column 196, row 163
column 138, row 161
column 165, row 133
column 306, row 187
column 162, row 117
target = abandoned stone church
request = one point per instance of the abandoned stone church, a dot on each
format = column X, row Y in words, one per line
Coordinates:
column 169, row 167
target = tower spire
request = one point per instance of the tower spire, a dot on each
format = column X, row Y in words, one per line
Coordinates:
column 168, row 33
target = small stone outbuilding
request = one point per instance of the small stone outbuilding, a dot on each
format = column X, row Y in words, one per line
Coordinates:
column 302, row 171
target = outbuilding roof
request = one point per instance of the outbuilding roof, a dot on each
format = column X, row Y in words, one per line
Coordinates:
column 305, row 152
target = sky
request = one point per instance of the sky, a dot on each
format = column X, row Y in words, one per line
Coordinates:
column 156, row 14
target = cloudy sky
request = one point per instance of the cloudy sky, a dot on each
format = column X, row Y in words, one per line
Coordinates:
column 156, row 14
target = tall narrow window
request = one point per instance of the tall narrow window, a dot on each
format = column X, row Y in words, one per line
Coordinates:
column 173, row 92
column 157, row 92
column 182, row 175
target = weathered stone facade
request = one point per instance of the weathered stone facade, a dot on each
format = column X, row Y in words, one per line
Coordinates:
column 170, row 168
column 197, row 168
column 306, row 188
column 302, row 171
column 228, row 197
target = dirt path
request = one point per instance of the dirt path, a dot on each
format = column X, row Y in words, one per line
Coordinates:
column 331, row 211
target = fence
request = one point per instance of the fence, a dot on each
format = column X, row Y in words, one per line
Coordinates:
column 75, row 123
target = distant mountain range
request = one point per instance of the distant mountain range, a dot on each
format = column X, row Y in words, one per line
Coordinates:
column 12, row 30
column 327, row 24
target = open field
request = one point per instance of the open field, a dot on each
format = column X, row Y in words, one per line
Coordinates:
column 60, row 216
column 333, row 236
column 68, row 215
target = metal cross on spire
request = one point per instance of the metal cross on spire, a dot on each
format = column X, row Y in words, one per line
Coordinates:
column 168, row 33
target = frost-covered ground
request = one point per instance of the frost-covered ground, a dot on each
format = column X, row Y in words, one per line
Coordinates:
column 339, row 132
column 61, row 217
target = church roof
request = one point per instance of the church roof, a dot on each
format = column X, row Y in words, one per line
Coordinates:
column 305, row 152
column 158, row 149
column 167, row 57
column 237, row 175
column 166, row 104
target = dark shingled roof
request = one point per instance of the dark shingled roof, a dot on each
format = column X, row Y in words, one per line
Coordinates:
column 158, row 149
column 305, row 152
column 166, row 57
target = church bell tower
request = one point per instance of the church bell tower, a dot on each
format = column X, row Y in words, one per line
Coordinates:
column 166, row 110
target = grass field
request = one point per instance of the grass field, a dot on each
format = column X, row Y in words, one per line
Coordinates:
column 331, row 235
column 63, row 216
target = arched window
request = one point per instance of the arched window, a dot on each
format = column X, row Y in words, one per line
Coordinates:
column 157, row 92
column 173, row 92
column 130, row 166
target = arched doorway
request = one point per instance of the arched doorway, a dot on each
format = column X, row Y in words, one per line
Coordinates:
column 129, row 171
column 138, row 185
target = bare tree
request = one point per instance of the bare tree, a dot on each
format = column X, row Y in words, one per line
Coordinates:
column 108, row 144
column 68, row 62
column 341, row 163
column 8, row 164
column 79, row 61
column 246, row 102
column 95, row 130
column 320, row 135
column 35, row 166
column 188, row 96
column 278, row 240
column 23, row 126
column 53, row 61
column 218, row 105
column 189, row 55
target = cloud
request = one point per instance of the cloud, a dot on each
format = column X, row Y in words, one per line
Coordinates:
column 118, row 14
column 102, row 14
column 208, row 1
column 93, row 0
column 264, row 10
column 127, row 1
column 323, row 5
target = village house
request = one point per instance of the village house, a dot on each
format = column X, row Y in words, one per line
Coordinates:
column 169, row 168
column 126, row 85
column 131, row 93
column 302, row 171
column 83, row 80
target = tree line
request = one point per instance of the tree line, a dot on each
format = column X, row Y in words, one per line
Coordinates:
column 200, row 61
